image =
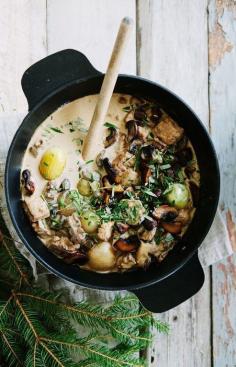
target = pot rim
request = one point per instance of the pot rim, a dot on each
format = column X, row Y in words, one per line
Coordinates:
column 177, row 266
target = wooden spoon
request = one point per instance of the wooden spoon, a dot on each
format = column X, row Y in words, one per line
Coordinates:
column 94, row 139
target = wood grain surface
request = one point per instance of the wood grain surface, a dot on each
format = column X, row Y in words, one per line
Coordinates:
column 222, row 96
column 188, row 46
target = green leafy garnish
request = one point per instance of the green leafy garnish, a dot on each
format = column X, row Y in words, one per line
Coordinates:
column 165, row 166
column 57, row 130
column 109, row 125
column 148, row 192
column 90, row 161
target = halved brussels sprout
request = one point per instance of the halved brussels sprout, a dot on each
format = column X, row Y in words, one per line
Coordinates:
column 133, row 211
column 84, row 187
column 178, row 195
column 52, row 163
column 90, row 221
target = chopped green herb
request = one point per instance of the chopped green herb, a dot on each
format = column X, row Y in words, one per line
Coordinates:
column 90, row 161
column 57, row 130
column 150, row 136
column 168, row 238
column 110, row 126
column 159, row 235
column 165, row 166
column 148, row 192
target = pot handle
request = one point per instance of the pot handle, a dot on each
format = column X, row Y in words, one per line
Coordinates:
column 173, row 290
column 53, row 71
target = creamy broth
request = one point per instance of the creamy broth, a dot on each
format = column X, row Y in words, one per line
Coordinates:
column 66, row 128
column 80, row 113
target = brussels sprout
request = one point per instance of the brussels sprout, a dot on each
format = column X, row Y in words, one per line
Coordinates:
column 102, row 257
column 90, row 221
column 52, row 163
column 133, row 211
column 178, row 195
column 84, row 187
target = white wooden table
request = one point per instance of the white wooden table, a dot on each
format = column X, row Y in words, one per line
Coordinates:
column 188, row 46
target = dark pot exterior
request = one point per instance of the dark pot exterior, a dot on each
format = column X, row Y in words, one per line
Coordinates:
column 64, row 77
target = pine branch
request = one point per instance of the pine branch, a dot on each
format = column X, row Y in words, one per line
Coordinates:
column 31, row 335
column 12, row 351
column 14, row 268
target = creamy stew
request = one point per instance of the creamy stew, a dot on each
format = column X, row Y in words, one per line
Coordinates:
column 128, row 206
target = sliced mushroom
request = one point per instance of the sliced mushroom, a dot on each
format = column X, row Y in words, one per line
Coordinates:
column 140, row 115
column 28, row 184
column 70, row 257
column 111, row 172
column 111, row 138
column 108, row 186
column 149, row 223
column 165, row 212
column 127, row 245
column 147, row 152
column 132, row 128
column 62, row 248
column 145, row 173
column 173, row 228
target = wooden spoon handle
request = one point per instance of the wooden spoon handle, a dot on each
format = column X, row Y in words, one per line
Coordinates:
column 94, row 139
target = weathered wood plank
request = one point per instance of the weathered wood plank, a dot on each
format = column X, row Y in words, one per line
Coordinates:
column 222, row 59
column 22, row 42
column 90, row 27
column 173, row 50
column 224, row 316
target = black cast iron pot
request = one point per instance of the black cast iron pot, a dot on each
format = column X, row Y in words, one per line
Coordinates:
column 66, row 76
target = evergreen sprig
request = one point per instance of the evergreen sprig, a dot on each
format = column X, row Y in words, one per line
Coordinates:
column 38, row 329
